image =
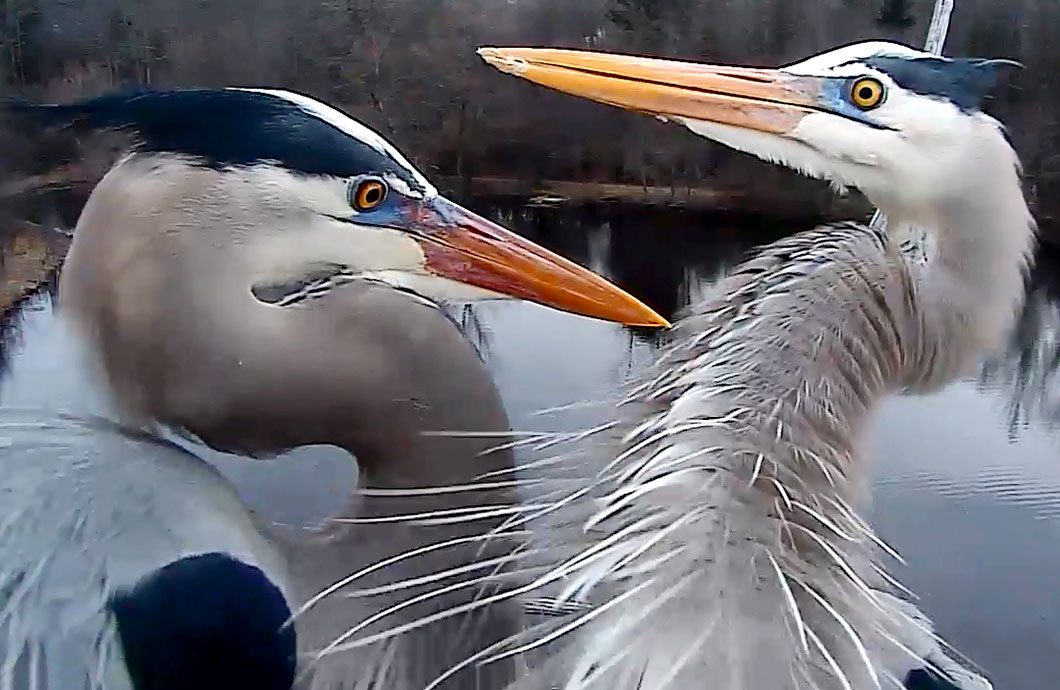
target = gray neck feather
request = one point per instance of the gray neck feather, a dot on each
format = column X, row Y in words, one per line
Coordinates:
column 728, row 515
column 971, row 289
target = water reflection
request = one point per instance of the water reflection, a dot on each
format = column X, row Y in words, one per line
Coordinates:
column 1028, row 368
column 968, row 486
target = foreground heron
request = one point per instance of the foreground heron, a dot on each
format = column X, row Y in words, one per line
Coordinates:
column 262, row 272
column 130, row 564
column 724, row 546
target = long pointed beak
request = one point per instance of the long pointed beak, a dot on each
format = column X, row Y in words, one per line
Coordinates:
column 764, row 100
column 465, row 247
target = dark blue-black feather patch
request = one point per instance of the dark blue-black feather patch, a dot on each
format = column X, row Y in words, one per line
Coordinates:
column 225, row 127
column 207, row 622
column 963, row 81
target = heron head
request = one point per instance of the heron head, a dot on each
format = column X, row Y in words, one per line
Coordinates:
column 892, row 121
column 306, row 197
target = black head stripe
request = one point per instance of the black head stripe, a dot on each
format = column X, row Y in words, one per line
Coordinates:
column 963, row 81
column 227, row 127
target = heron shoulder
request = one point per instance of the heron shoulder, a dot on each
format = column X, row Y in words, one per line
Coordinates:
column 207, row 621
column 90, row 516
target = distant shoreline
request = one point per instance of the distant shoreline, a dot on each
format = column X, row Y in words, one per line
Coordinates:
column 29, row 261
column 776, row 201
column 781, row 204
column 34, row 259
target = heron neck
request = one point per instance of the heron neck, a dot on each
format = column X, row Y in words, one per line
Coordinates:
column 402, row 390
column 437, row 426
column 397, row 385
column 973, row 285
column 386, row 378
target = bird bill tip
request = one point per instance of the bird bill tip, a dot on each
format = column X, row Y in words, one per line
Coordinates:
column 475, row 251
column 501, row 59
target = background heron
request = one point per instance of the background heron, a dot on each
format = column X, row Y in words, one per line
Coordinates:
column 260, row 273
column 724, row 542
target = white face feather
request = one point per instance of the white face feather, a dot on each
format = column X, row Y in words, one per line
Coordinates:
column 902, row 169
column 371, row 253
column 284, row 225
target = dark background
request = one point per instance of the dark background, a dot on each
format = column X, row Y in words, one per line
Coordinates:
column 408, row 68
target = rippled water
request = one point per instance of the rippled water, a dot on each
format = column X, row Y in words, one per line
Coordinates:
column 967, row 480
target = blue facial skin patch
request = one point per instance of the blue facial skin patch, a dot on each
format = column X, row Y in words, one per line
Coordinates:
column 835, row 98
column 388, row 214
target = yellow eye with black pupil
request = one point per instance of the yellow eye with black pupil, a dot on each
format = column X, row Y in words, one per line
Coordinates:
column 866, row 93
column 369, row 194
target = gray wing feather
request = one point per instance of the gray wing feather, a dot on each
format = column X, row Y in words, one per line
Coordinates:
column 87, row 509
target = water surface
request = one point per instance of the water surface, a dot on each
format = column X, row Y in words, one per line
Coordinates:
column 967, row 480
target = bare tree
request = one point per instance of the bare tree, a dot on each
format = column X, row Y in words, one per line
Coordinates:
column 408, row 68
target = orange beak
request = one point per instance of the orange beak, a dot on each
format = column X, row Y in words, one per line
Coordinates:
column 465, row 247
column 764, row 100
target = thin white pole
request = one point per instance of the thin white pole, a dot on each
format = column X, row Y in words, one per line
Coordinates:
column 936, row 38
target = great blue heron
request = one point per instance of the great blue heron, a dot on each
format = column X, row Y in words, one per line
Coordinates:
column 723, row 547
column 129, row 564
column 262, row 272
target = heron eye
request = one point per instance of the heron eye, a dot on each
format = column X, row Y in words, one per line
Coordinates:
column 867, row 93
column 368, row 194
